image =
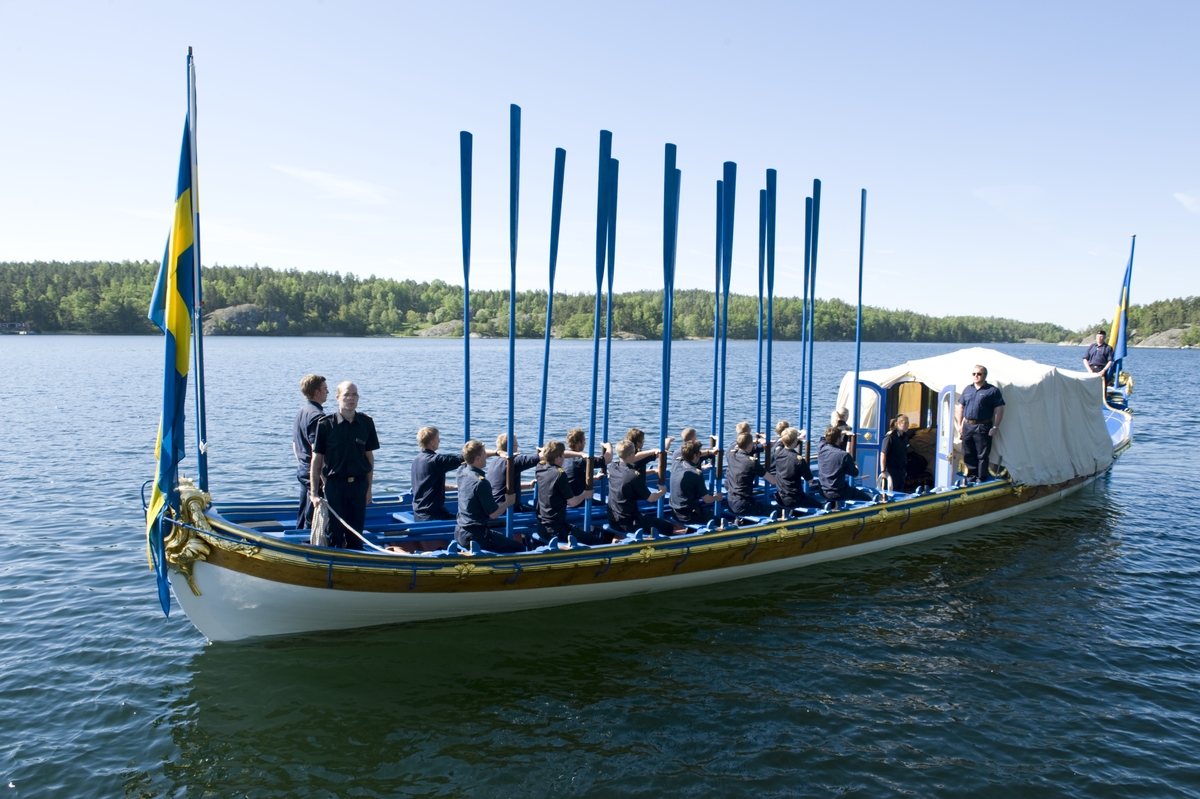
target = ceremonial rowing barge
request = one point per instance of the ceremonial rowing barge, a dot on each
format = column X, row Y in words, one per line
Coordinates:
column 241, row 570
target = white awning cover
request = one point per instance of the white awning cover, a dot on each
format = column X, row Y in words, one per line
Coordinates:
column 1053, row 428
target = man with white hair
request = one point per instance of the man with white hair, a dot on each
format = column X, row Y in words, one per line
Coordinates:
column 343, row 465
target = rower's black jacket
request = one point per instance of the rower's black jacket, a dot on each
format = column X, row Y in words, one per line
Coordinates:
column 553, row 493
column 687, row 490
column 625, row 488
column 833, row 466
column 304, row 433
column 345, row 445
column 497, row 473
column 475, row 501
column 740, row 472
column 790, row 469
column 429, row 470
column 576, row 469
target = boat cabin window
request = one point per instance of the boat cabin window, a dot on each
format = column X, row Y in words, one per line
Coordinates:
column 916, row 401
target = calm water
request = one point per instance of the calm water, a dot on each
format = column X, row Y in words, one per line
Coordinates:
column 1055, row 655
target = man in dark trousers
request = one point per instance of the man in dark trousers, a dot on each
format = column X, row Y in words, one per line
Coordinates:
column 689, row 492
column 834, row 465
column 1099, row 357
column 429, row 470
column 343, row 465
column 790, row 472
column 477, row 506
column 555, row 495
column 740, row 475
column 304, row 433
column 626, row 487
column 977, row 419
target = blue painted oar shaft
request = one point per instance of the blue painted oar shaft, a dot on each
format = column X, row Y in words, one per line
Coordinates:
column 613, row 170
column 730, row 185
column 601, row 241
column 464, row 149
column 670, row 227
column 716, row 386
column 804, row 317
column 514, row 186
column 762, row 265
column 812, row 294
column 560, row 165
column 770, row 292
column 862, row 237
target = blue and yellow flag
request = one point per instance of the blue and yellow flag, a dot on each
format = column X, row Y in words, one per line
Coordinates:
column 1120, row 321
column 171, row 309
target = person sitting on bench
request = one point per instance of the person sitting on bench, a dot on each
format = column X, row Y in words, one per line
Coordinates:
column 477, row 506
column 555, row 495
column 790, row 472
column 834, row 465
column 689, row 494
column 626, row 486
column 740, row 476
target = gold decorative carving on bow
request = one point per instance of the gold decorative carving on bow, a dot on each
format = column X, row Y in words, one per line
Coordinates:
column 464, row 569
column 183, row 547
column 646, row 554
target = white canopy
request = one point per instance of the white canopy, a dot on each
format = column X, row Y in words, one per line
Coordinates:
column 1053, row 428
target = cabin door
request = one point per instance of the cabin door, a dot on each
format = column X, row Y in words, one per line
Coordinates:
column 872, row 416
column 944, row 471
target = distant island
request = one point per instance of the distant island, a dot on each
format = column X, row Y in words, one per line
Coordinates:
column 111, row 298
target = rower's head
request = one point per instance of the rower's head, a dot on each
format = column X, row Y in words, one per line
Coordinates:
column 474, row 454
column 833, row 435
column 690, row 450
column 429, row 438
column 636, row 436
column 781, row 425
column 314, row 388
column 502, row 444
column 576, row 440
column 689, row 434
column 347, row 398
column 1100, row 337
column 979, row 374
column 742, row 427
column 745, row 441
column 790, row 437
column 625, row 451
column 552, row 453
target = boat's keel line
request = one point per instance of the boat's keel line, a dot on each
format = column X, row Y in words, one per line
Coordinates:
column 245, row 597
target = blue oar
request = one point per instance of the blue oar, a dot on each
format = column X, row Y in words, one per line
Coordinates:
column 762, row 263
column 717, row 326
column 612, row 259
column 730, row 186
column 804, row 319
column 812, row 293
column 601, row 240
column 770, row 303
column 464, row 149
column 514, row 186
column 670, row 237
column 862, row 237
column 560, row 165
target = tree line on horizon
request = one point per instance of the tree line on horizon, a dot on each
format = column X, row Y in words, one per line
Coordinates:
column 103, row 297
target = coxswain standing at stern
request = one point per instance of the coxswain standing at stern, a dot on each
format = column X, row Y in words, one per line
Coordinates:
column 976, row 420
column 343, row 465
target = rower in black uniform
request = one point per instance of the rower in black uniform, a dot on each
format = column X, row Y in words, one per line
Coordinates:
column 790, row 472
column 689, row 492
column 429, row 470
column 554, row 496
column 834, row 465
column 477, row 506
column 740, row 475
column 576, row 467
column 626, row 486
column 497, row 471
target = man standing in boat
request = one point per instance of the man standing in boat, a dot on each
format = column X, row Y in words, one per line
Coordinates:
column 343, row 465
column 976, row 420
column 304, row 433
column 1099, row 357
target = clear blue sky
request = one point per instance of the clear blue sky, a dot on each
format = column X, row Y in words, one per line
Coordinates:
column 1008, row 149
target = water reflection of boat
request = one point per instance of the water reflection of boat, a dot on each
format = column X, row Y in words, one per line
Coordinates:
column 242, row 570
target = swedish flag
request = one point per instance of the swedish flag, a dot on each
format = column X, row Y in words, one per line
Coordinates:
column 1120, row 321
column 171, row 309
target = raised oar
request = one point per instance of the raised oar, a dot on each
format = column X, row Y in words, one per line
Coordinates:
column 464, row 152
column 514, row 186
column 560, row 166
column 612, row 259
column 804, row 317
column 717, row 332
column 812, row 294
column 670, row 234
column 601, row 240
column 730, row 185
column 862, row 237
column 762, row 263
column 770, row 299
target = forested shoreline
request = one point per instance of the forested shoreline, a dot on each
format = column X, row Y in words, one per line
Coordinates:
column 112, row 298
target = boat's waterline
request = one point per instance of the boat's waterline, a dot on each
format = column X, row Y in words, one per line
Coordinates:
column 236, row 604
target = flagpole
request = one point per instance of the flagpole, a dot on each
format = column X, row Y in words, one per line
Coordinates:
column 601, row 241
column 560, row 165
column 464, row 149
column 198, row 300
column 514, row 186
column 717, row 329
column 613, row 169
column 1119, row 333
column 670, row 233
column 730, row 184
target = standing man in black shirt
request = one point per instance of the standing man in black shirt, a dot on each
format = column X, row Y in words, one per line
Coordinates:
column 1099, row 357
column 790, row 471
column 343, row 465
column 304, row 433
column 976, row 419
column 689, row 492
column 477, row 506
column 429, row 470
column 555, row 495
column 740, row 474
column 626, row 486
